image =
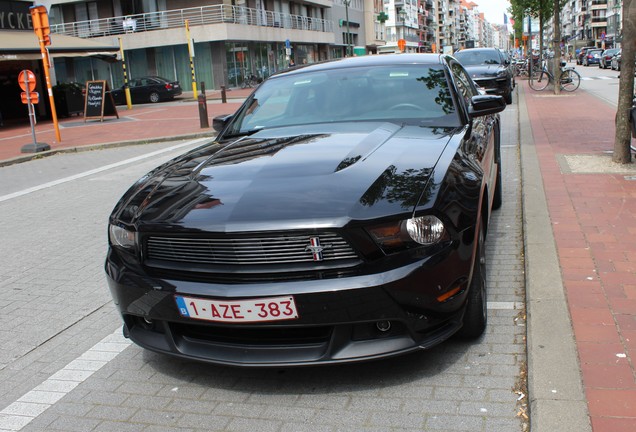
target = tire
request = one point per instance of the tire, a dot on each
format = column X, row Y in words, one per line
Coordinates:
column 497, row 199
column 476, row 314
column 508, row 97
column 154, row 97
column 570, row 80
column 539, row 81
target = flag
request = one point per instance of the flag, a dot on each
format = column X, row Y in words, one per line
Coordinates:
column 505, row 19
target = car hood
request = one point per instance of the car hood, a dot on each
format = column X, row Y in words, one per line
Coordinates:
column 292, row 178
column 483, row 71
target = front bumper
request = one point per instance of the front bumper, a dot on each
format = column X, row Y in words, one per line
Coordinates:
column 340, row 319
column 498, row 86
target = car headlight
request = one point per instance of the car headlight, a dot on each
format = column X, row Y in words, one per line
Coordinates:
column 422, row 230
column 121, row 237
column 501, row 73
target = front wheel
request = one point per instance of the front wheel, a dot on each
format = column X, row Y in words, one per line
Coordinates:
column 570, row 80
column 154, row 97
column 476, row 314
column 539, row 81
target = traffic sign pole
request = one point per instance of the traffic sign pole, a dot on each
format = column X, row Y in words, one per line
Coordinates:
column 40, row 20
column 27, row 82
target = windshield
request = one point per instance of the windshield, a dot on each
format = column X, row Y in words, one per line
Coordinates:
column 415, row 94
column 472, row 58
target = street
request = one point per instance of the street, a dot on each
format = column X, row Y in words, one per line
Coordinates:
column 65, row 365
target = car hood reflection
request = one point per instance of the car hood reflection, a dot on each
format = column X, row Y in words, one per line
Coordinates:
column 285, row 179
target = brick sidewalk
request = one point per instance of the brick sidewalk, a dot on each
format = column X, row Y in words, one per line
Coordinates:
column 593, row 216
column 142, row 123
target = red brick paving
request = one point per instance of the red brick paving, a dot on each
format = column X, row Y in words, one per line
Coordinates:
column 167, row 119
column 594, row 222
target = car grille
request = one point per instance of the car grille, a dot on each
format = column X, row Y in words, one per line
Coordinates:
column 254, row 251
column 489, row 83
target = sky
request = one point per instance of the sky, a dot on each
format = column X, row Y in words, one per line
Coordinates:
column 493, row 9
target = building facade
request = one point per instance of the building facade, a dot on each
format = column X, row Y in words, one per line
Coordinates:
column 229, row 40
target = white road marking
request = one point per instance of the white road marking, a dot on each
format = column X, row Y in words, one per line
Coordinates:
column 21, row 412
column 97, row 170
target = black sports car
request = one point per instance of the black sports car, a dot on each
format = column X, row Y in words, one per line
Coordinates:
column 149, row 89
column 340, row 215
column 490, row 70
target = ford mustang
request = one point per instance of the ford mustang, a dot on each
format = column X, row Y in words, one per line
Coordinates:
column 340, row 215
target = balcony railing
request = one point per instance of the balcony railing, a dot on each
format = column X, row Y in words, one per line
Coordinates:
column 214, row 14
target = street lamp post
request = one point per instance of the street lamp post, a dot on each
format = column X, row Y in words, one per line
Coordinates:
column 347, row 3
column 403, row 14
column 617, row 21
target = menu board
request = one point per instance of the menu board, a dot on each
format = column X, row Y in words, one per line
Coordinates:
column 98, row 101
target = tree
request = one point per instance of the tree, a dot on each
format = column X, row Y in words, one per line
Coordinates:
column 556, row 42
column 622, row 141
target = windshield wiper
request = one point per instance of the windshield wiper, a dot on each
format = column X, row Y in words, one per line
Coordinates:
column 245, row 133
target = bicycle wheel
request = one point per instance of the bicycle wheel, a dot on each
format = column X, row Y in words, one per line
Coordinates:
column 539, row 81
column 570, row 80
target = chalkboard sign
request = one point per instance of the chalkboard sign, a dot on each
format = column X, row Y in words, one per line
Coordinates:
column 98, row 101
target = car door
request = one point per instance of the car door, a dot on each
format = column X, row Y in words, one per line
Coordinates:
column 480, row 144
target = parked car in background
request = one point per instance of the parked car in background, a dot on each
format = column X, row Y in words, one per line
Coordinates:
column 592, row 56
column 489, row 69
column 616, row 61
column 606, row 58
column 582, row 53
column 339, row 216
column 148, row 89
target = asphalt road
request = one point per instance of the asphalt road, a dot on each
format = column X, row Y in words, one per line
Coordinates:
column 64, row 365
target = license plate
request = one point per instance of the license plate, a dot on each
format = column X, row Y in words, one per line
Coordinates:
column 251, row 310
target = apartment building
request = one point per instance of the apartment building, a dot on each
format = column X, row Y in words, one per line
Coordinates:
column 229, row 40
column 589, row 23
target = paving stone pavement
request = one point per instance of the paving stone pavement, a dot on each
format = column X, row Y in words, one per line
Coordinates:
column 55, row 308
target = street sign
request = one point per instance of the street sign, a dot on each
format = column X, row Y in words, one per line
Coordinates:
column 40, row 20
column 26, row 77
column 287, row 43
column 33, row 98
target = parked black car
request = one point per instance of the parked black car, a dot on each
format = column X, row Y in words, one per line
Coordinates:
column 606, row 57
column 489, row 69
column 340, row 215
column 148, row 89
column 615, row 64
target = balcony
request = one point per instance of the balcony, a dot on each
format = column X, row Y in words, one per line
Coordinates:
column 599, row 22
column 205, row 15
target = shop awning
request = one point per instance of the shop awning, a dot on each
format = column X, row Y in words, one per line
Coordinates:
column 23, row 45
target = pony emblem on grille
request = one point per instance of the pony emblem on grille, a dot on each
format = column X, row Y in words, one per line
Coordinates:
column 316, row 248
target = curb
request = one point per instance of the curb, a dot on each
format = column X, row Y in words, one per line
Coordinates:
column 556, row 396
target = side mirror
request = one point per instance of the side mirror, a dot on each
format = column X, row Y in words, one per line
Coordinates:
column 219, row 122
column 482, row 105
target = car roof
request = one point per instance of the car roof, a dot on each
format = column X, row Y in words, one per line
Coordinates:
column 371, row 60
column 480, row 49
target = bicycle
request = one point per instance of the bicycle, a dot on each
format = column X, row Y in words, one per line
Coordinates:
column 250, row 81
column 570, row 79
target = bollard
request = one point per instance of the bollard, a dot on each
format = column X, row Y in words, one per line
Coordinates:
column 203, row 108
column 223, row 95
